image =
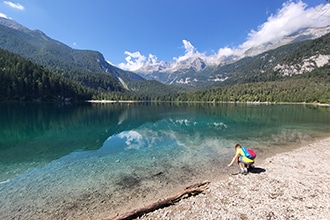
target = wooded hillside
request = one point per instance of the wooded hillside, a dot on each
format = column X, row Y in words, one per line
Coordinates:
column 20, row 79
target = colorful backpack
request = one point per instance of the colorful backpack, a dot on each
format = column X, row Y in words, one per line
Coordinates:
column 249, row 153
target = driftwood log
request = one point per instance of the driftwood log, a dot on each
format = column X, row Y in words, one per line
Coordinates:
column 188, row 191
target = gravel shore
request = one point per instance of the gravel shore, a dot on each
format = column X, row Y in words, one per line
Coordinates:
column 291, row 185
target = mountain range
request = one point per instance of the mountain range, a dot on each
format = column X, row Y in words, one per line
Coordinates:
column 196, row 71
column 296, row 53
column 79, row 65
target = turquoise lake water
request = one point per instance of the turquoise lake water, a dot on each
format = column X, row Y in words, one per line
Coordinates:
column 97, row 157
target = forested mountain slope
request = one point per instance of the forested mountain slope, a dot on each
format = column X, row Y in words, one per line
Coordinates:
column 85, row 66
column 310, row 87
column 23, row 80
column 286, row 61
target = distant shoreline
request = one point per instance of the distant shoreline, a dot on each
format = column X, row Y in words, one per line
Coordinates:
column 180, row 102
column 210, row 102
column 112, row 101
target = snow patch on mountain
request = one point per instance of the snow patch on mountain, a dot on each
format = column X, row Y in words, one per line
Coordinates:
column 218, row 78
column 186, row 81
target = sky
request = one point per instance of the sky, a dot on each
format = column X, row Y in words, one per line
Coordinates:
column 131, row 33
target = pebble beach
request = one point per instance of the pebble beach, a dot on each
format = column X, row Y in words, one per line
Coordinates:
column 289, row 185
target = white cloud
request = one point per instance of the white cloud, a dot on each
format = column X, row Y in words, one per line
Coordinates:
column 133, row 139
column 152, row 59
column 3, row 15
column 134, row 61
column 14, row 5
column 222, row 53
column 292, row 17
column 188, row 46
column 190, row 52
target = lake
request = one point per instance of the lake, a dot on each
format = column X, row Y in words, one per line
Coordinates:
column 75, row 160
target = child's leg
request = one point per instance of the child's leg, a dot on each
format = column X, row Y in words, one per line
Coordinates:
column 242, row 167
column 240, row 164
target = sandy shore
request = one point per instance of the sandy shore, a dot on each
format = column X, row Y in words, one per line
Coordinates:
column 291, row 185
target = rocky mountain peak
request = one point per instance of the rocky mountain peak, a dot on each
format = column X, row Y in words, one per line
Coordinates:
column 12, row 24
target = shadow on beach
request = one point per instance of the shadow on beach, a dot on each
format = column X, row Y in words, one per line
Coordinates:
column 257, row 170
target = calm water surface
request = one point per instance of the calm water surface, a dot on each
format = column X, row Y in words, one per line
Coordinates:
column 69, row 157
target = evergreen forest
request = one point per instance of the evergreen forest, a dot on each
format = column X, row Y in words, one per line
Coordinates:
column 22, row 80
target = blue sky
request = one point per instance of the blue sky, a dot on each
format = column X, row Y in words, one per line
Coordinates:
column 131, row 32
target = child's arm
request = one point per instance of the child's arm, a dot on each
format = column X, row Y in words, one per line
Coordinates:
column 233, row 160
